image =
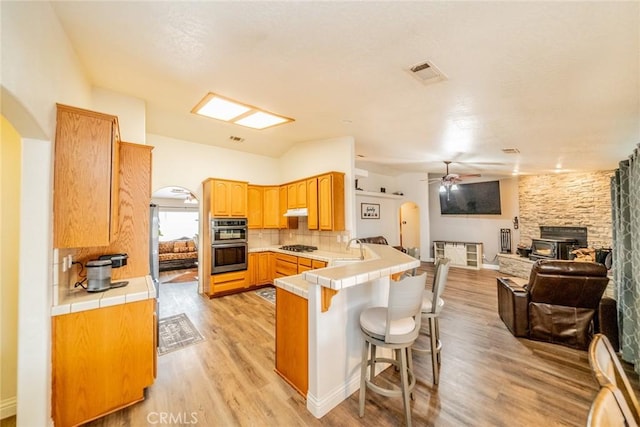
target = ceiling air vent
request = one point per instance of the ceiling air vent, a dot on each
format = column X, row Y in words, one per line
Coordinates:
column 510, row 151
column 426, row 73
column 236, row 138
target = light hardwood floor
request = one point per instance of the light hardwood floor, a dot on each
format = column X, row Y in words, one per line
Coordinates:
column 488, row 377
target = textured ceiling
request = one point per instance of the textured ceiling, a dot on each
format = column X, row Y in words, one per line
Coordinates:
column 558, row 81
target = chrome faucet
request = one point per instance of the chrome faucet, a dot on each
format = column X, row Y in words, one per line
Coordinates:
column 361, row 247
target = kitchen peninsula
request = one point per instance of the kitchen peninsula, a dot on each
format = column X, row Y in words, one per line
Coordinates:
column 335, row 296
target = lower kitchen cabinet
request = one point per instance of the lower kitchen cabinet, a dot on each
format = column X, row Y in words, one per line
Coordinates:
column 102, row 359
column 227, row 283
column 292, row 336
column 285, row 265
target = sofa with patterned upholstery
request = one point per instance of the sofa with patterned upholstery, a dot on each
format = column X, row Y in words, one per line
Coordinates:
column 177, row 254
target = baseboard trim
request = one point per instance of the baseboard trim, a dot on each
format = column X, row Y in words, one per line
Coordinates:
column 491, row 266
column 321, row 407
column 8, row 408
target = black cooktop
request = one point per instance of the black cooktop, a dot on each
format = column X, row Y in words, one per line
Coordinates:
column 299, row 248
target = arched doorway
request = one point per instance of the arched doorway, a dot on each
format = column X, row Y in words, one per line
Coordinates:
column 410, row 228
column 175, row 235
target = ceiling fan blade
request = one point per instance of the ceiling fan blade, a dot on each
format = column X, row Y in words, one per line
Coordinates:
column 470, row 175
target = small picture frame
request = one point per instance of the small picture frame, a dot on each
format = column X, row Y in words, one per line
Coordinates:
column 369, row 211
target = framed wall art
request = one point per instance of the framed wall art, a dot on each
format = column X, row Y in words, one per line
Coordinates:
column 369, row 211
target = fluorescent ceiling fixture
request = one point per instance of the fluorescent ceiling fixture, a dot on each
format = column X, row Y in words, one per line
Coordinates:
column 225, row 109
column 260, row 120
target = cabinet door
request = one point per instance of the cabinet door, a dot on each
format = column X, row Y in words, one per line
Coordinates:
column 301, row 194
column 263, row 275
column 331, row 201
column 312, row 203
column 325, row 202
column 285, row 222
column 271, row 207
column 292, row 198
column 238, row 199
column 292, row 342
column 252, row 269
column 255, row 206
column 85, row 182
column 104, row 358
column 220, row 198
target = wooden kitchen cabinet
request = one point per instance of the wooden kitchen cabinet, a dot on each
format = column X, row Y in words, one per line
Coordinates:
column 228, row 198
column 255, row 206
column 297, row 194
column 312, row 203
column 102, row 360
column 228, row 283
column 292, row 336
column 263, row 206
column 285, row 222
column 133, row 223
column 259, row 269
column 271, row 207
column 331, row 201
column 285, row 265
column 85, row 178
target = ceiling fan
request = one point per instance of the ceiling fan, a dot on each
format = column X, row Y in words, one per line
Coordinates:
column 449, row 180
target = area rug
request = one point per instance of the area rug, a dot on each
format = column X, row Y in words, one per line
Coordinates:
column 267, row 293
column 189, row 276
column 176, row 332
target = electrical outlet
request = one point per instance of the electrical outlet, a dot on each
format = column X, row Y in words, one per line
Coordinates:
column 64, row 264
column 70, row 260
column 345, row 238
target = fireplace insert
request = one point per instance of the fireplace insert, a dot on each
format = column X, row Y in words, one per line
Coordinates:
column 557, row 242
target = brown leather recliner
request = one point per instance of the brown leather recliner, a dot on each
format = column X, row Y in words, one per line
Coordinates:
column 557, row 305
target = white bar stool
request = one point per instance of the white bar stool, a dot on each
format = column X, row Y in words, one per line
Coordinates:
column 432, row 304
column 395, row 327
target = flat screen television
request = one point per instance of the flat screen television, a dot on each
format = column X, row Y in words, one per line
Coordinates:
column 478, row 198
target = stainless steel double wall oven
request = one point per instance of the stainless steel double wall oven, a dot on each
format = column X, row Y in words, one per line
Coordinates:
column 229, row 250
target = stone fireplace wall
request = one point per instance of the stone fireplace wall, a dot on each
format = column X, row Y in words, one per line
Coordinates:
column 571, row 199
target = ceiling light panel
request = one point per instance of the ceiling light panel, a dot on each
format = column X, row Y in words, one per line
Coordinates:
column 260, row 120
column 228, row 110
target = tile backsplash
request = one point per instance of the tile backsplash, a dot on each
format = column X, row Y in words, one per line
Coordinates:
column 324, row 240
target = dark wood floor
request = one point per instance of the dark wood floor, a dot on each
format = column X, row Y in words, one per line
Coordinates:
column 488, row 377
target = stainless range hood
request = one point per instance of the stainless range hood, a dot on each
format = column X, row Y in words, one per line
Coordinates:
column 297, row 212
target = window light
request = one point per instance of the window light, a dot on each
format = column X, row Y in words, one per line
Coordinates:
column 225, row 109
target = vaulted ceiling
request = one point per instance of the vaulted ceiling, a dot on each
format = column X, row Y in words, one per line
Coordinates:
column 558, row 81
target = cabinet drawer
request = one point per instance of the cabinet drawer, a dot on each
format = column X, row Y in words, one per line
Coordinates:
column 287, row 258
column 318, row 264
column 234, row 276
column 284, row 268
column 306, row 262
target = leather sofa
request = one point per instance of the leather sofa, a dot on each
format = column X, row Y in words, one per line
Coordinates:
column 557, row 305
column 379, row 240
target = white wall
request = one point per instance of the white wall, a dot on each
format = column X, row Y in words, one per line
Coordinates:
column 186, row 164
column 388, row 225
column 484, row 229
column 39, row 68
column 315, row 157
column 131, row 113
column 416, row 190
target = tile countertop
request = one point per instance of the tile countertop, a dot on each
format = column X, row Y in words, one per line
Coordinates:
column 317, row 255
column 138, row 289
column 381, row 261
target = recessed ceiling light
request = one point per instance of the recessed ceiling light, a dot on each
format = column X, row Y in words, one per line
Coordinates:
column 225, row 109
column 260, row 120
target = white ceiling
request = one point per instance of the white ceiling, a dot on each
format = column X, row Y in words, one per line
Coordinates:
column 557, row 80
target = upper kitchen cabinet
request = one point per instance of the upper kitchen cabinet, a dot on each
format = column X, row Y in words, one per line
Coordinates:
column 263, row 206
column 255, row 206
column 85, row 181
column 297, row 195
column 331, row 201
column 312, row 203
column 228, row 198
column 285, row 222
column 271, row 207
